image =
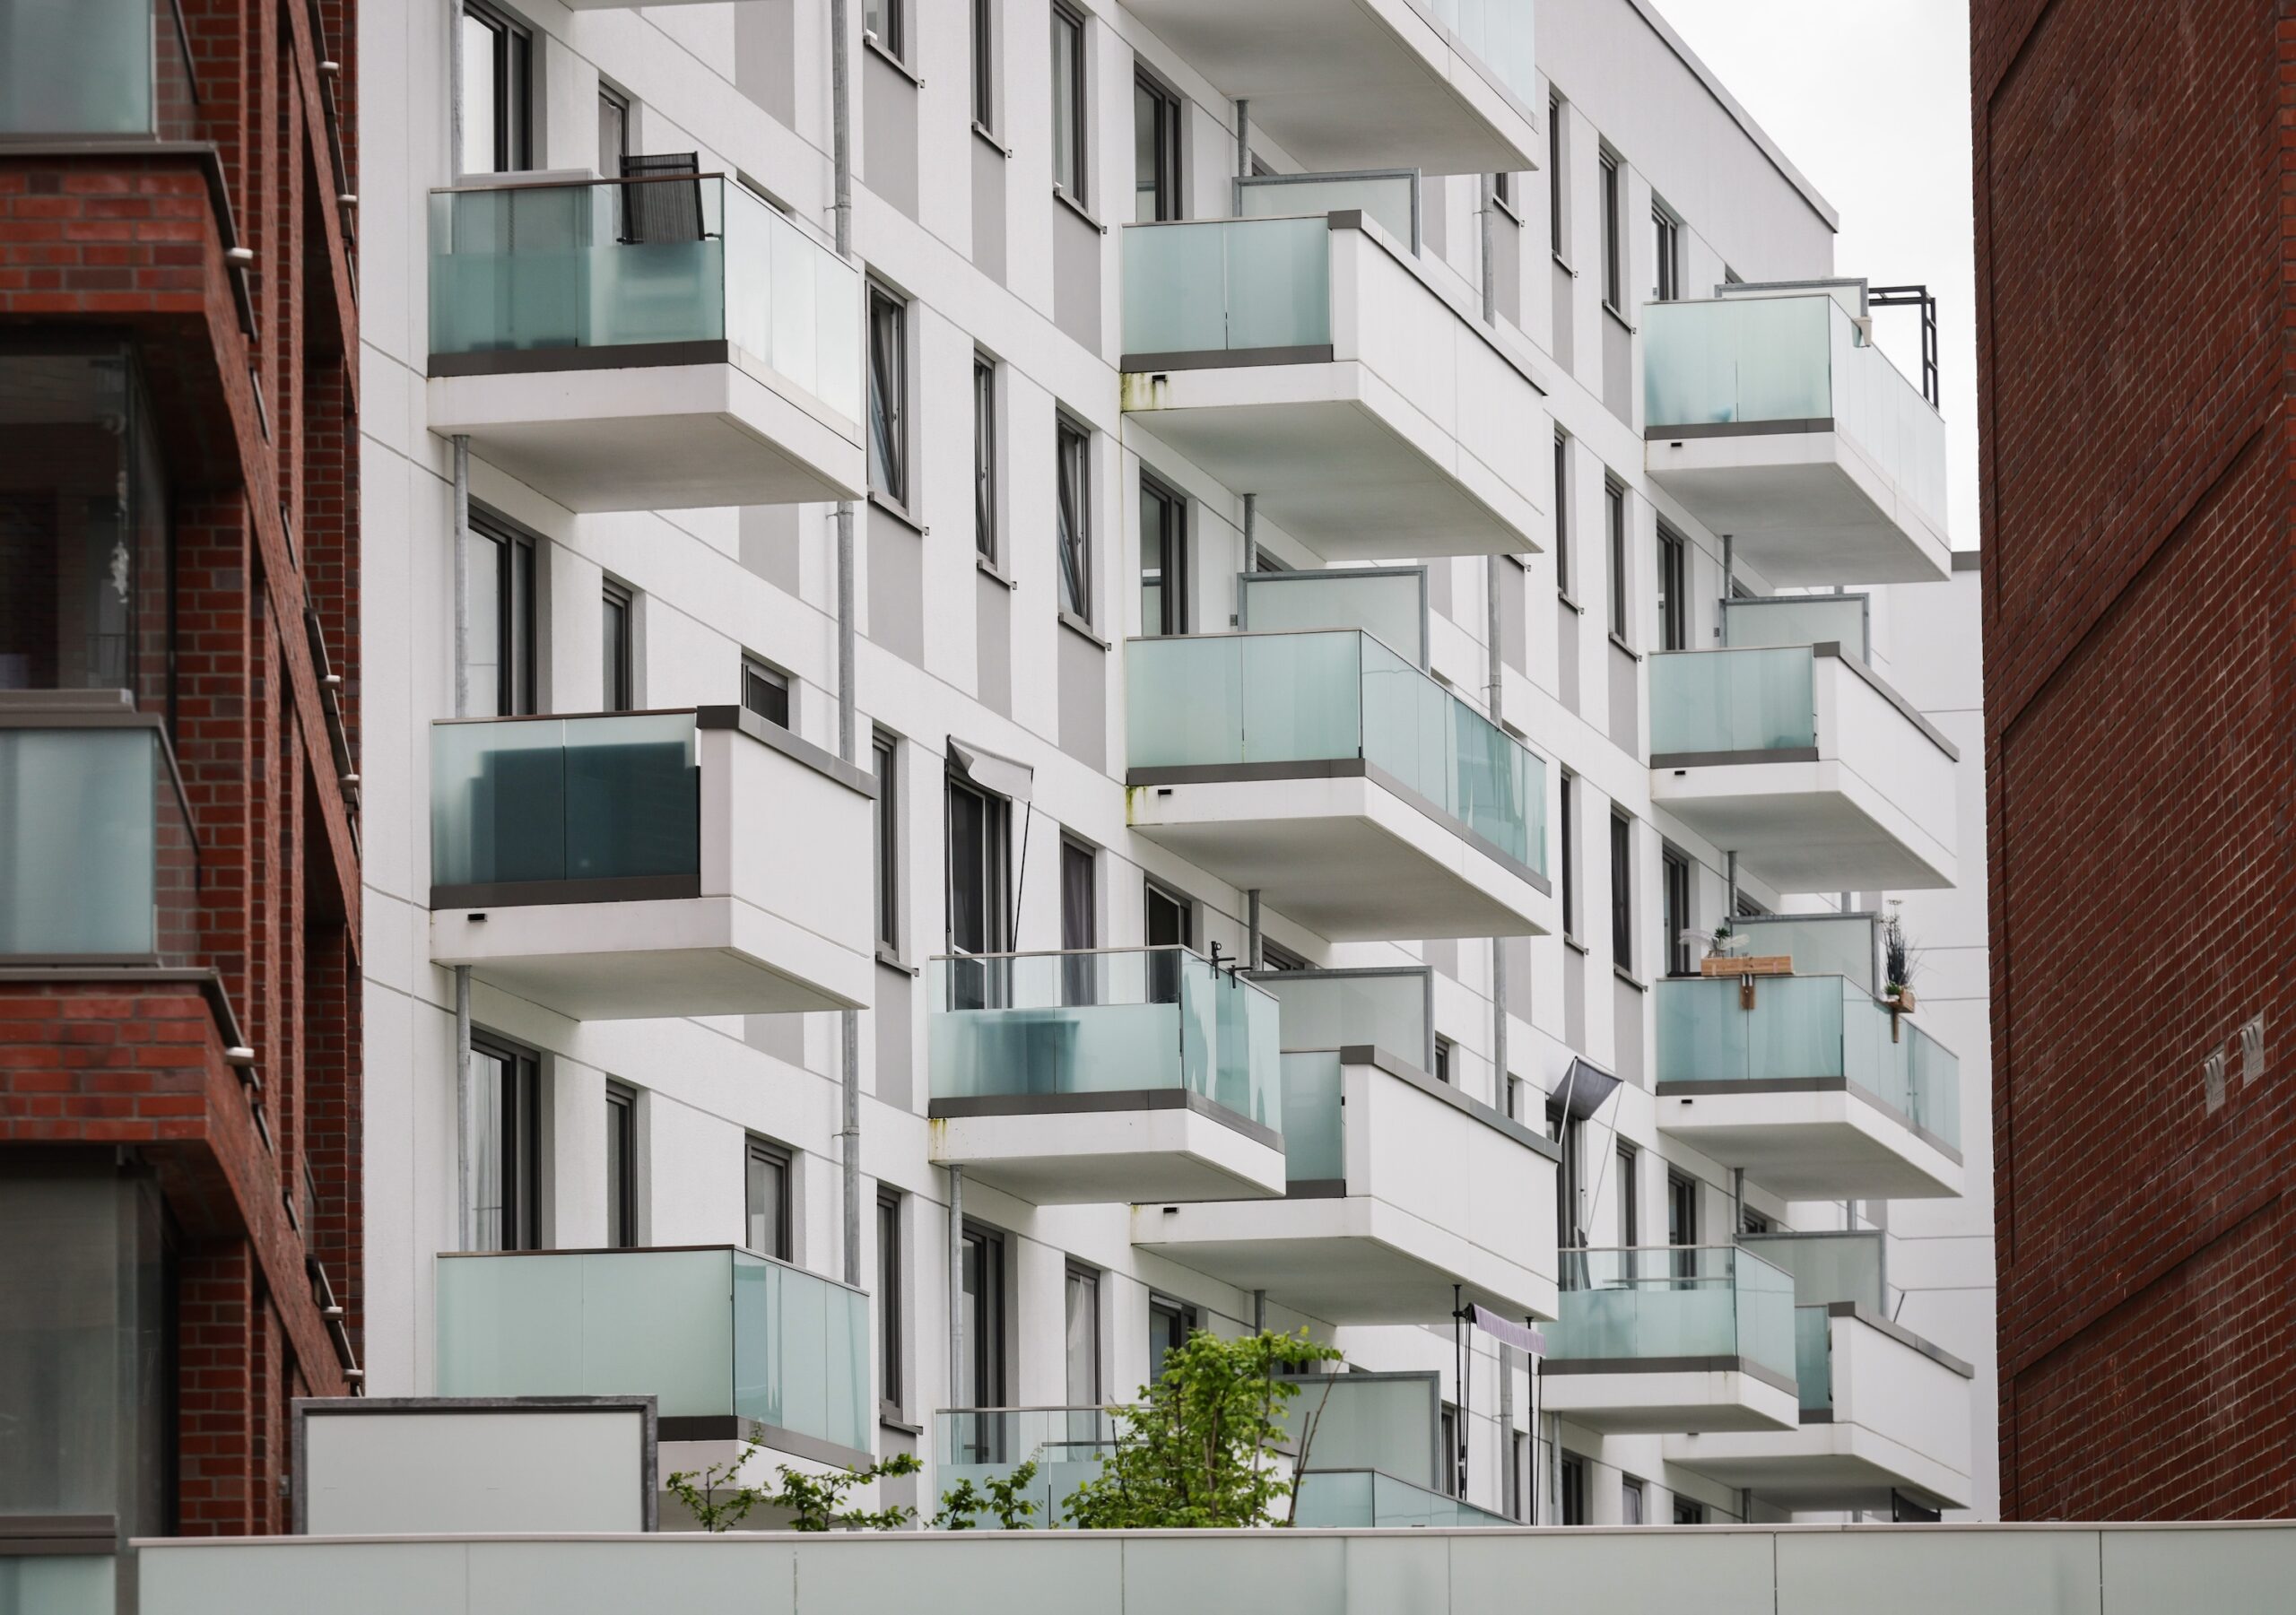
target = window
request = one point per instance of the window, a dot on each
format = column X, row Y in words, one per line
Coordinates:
column 1572, row 1503
column 1674, row 590
column 889, row 1299
column 1630, row 1500
column 1614, row 531
column 1169, row 1323
column 1074, row 470
column 619, row 684
column 887, row 23
column 981, row 1369
column 1554, row 179
column 1689, row 1511
column 1622, row 892
column 887, row 395
column 1082, row 1339
column 1155, row 152
column 1068, row 110
column 1751, row 1222
column 977, row 824
column 984, row 64
column 1518, row 1463
column 1562, row 514
column 1450, row 1437
column 506, row 1084
column 883, row 759
column 1613, row 240
column 1665, row 254
column 621, row 1166
column 501, row 619
column 1682, row 1223
column 1272, row 957
column 1163, row 561
column 1078, row 896
column 765, row 690
column 1629, row 1214
column 1170, row 919
column 1568, row 1133
column 497, row 92
column 1570, row 855
column 1675, row 869
column 1502, row 191
column 767, row 1191
column 984, row 456
column 614, row 131
column 1443, row 1062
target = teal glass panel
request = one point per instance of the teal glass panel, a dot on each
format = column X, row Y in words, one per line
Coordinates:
column 1066, row 1445
column 1218, row 286
column 1497, row 34
column 1813, row 1358
column 96, row 856
column 1345, row 1009
column 1793, row 620
column 1184, row 701
column 93, row 68
column 1732, row 700
column 1654, row 1302
column 1367, row 1422
column 1302, row 695
column 1795, row 1029
column 1819, row 944
column 1365, row 1499
column 510, row 1326
column 73, row 1584
column 1827, row 1267
column 609, row 797
column 1174, row 297
column 1701, row 1030
column 1739, row 361
column 1389, row 199
column 1390, row 606
column 1315, row 1148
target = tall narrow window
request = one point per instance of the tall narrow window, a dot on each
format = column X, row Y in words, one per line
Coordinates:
column 1613, row 240
column 885, row 757
column 508, row 1079
column 1444, row 1061
column 1665, row 255
column 1569, row 856
column 1629, row 1189
column 1572, row 1504
column 1630, row 1501
column 1614, row 534
column 766, row 1190
column 1448, row 1434
column 1079, row 902
column 981, row 1369
column 1163, row 561
column 614, row 131
column 1068, row 110
column 1075, row 471
column 1562, row 514
column 1622, row 892
column 1155, row 152
column 1568, row 1133
column 1556, row 183
column 1170, row 919
column 621, row 1166
column 501, row 619
column 890, row 1303
column 1679, row 919
column 1682, row 1224
column 1519, row 1469
column 1082, row 1340
column 618, row 609
column 984, row 456
column 1674, row 590
column 975, row 862
column 497, row 92
column 984, row 64
column 887, row 23
column 765, row 690
column 887, row 395
column 1751, row 1222
column 1689, row 1511
column 1169, row 1323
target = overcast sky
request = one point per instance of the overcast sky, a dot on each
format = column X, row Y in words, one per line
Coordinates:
column 1870, row 98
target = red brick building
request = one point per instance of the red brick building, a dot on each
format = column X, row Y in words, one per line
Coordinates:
column 179, row 1077
column 2135, row 208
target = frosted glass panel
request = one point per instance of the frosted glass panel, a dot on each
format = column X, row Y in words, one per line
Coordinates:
column 1342, row 1009
column 93, row 67
column 1731, row 701
column 1066, row 1445
column 1217, row 285
column 1827, row 1267
column 1675, row 1301
column 1497, row 34
column 1389, row 199
column 1315, row 1143
column 1786, row 619
column 1812, row 1358
column 1363, row 1499
column 1391, row 606
column 520, row 800
column 1818, row 945
column 1303, row 696
column 1368, row 1421
column 96, row 857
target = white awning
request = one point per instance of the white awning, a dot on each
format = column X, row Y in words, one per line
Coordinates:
column 992, row 770
column 1519, row 1335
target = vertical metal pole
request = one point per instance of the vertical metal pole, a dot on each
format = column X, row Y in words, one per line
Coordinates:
column 960, row 1394
column 1488, row 212
column 1729, row 572
column 1251, row 930
column 466, row 1117
column 849, row 1022
column 1737, row 1203
column 466, row 1197
column 1732, row 916
column 1244, row 138
column 454, row 90
column 462, row 575
column 1259, row 1312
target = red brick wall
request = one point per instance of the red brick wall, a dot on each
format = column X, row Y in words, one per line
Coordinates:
column 2133, row 360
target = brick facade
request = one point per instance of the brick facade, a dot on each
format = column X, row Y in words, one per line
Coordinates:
column 2134, row 243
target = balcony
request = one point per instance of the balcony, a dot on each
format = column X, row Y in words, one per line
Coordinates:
column 1402, row 1196
column 980, row 1444
column 645, row 344
column 1799, row 760
column 1772, row 419
column 96, row 71
column 728, row 1344
column 1310, row 362
column 1360, row 796
column 1455, row 81
column 1816, row 1087
column 1884, row 1412
column 98, row 862
column 1104, row 1077
column 631, row 865
column 1673, row 1338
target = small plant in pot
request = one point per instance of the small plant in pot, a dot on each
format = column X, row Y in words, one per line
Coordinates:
column 1900, row 960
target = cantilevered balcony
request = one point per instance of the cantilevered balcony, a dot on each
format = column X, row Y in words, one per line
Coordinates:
column 645, row 344
column 1358, row 796
column 1884, row 1412
column 1444, row 85
column 1403, row 1195
column 96, row 70
column 1673, row 1338
column 1105, row 1077
column 1816, row 1087
column 1774, row 418
column 1803, row 763
column 630, row 866
column 729, row 1343
column 1311, row 362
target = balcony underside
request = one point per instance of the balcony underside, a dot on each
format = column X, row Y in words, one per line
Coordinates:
column 1805, row 1140
column 1807, row 824
column 1351, row 1259
column 644, row 960
column 1822, row 1466
column 1803, row 507
column 1118, row 1149
column 1343, row 855
column 697, row 429
column 1336, row 457
column 1655, row 1396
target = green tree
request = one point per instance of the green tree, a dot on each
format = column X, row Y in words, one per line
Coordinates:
column 998, row 1496
column 1199, row 1449
column 718, row 1501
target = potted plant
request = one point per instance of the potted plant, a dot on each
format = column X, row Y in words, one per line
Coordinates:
column 1900, row 960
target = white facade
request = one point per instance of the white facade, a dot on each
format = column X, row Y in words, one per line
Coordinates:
column 970, row 664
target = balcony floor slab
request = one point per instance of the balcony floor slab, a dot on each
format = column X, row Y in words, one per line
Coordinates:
column 1809, row 1142
column 1807, row 826
column 1627, row 1398
column 1109, row 1156
column 1803, row 507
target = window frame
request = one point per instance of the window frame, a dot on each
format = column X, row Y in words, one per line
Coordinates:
column 989, row 1347
column 757, row 1148
column 1571, row 1485
column 996, row 835
column 984, row 66
column 1638, row 1514
column 888, row 381
column 1168, row 184
column 519, row 1166
column 512, row 43
column 884, row 761
column 1677, row 896
column 1674, row 589
column 1171, row 550
column 517, row 564
column 1613, row 264
column 1615, row 526
column 1562, row 514
column 624, row 106
column 1569, row 856
column 891, row 1278
column 1077, row 1276
column 1558, row 234
column 1156, row 892
column 1446, row 1058
column 621, row 1150
column 984, row 502
column 1183, row 1313
column 1630, row 1181
column 1072, row 514
column 1665, row 253
column 1071, row 58
column 1689, row 1511
column 756, row 668
column 1623, row 891
column 1446, row 1436
column 891, row 33
column 1076, row 853
column 618, row 602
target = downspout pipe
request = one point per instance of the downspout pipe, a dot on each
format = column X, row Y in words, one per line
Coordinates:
column 849, row 1022
column 466, row 1117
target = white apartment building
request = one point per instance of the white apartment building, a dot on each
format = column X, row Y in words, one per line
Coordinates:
column 1319, row 476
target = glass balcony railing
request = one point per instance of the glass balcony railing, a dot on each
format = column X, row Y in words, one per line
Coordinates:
column 1659, row 1302
column 614, row 263
column 1819, row 944
column 563, row 808
column 98, row 861
column 96, row 70
column 1805, row 1028
column 708, row 1331
column 1386, row 1422
column 1755, row 360
column 1733, row 701
column 1387, row 196
column 1365, row 1499
column 1380, row 1008
column 1826, row 1268
column 1497, row 34
column 1244, row 698
column 1797, row 620
column 1066, row 1445
column 1387, row 603
column 1019, row 1025
column 1227, row 285
column 1813, row 1358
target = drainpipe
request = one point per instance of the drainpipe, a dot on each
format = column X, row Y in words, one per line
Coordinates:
column 1243, row 139
column 958, row 1393
column 1492, row 570
column 465, row 1122
column 849, row 1022
column 454, row 9
column 1251, row 936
